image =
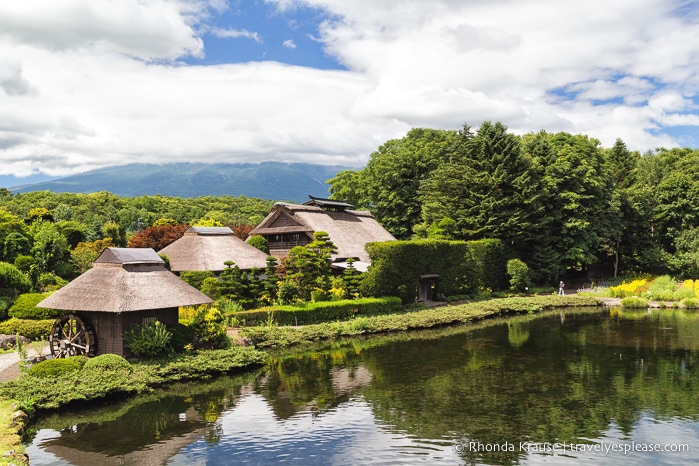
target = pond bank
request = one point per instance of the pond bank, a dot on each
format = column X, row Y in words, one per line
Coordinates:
column 280, row 337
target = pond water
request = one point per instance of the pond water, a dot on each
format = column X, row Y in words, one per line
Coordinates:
column 558, row 388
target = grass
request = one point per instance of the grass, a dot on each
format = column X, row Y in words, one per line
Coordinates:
column 11, row 435
column 275, row 337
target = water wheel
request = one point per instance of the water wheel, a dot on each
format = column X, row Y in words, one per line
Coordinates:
column 72, row 336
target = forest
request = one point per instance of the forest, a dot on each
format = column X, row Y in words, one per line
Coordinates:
column 560, row 202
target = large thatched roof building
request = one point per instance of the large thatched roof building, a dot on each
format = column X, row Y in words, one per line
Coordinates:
column 207, row 248
column 290, row 225
column 124, row 288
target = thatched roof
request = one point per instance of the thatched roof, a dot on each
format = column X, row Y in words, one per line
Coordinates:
column 124, row 280
column 207, row 248
column 350, row 230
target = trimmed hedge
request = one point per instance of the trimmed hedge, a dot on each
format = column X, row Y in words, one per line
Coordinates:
column 57, row 367
column 32, row 329
column 325, row 311
column 463, row 267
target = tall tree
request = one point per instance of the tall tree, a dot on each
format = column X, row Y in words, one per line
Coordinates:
column 389, row 185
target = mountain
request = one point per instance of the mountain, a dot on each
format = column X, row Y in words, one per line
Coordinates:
column 266, row 180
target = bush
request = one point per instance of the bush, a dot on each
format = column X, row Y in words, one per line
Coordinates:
column 32, row 329
column 13, row 280
column 208, row 329
column 683, row 293
column 182, row 335
column 57, row 367
column 328, row 311
column 149, row 340
column 107, row 363
column 24, row 307
column 690, row 303
column 259, row 242
column 519, row 274
column 634, row 302
column 196, row 278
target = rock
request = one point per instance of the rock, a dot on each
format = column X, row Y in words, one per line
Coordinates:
column 10, row 341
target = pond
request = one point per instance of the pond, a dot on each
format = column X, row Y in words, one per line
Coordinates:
column 563, row 388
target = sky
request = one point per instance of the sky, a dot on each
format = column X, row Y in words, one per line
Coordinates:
column 86, row 84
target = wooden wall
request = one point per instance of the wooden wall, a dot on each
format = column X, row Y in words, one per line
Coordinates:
column 110, row 326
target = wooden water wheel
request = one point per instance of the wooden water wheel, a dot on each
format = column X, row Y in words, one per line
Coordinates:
column 72, row 336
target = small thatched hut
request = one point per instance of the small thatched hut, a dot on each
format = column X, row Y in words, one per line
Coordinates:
column 124, row 288
column 290, row 225
column 208, row 248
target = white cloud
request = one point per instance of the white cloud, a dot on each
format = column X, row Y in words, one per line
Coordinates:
column 85, row 83
column 289, row 43
column 235, row 34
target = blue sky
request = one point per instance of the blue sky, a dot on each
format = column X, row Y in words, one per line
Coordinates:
column 86, row 84
column 257, row 31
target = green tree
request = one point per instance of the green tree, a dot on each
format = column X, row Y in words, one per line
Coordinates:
column 389, row 185
column 50, row 248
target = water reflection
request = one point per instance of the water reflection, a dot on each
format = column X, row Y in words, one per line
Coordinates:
column 575, row 377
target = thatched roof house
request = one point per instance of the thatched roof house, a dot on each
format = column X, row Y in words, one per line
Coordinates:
column 290, row 225
column 207, row 248
column 124, row 288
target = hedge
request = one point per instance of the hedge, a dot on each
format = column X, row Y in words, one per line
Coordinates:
column 463, row 267
column 325, row 311
column 32, row 329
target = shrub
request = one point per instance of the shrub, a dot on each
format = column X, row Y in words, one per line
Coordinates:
column 519, row 274
column 196, row 278
column 24, row 307
column 209, row 332
column 108, row 363
column 690, row 303
column 211, row 287
column 259, row 242
column 683, row 293
column 32, row 329
column 57, row 367
column 662, row 288
column 149, row 340
column 288, row 292
column 312, row 313
column 13, row 280
column 634, row 302
column 182, row 335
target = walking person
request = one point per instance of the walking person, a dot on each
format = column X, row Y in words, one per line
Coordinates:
column 561, row 286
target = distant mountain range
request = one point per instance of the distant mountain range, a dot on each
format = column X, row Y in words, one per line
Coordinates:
column 266, row 180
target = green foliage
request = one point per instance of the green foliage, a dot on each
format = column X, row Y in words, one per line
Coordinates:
column 209, row 331
column 519, row 274
column 24, row 307
column 196, row 278
column 12, row 280
column 288, row 292
column 278, row 336
column 326, row 311
column 57, row 367
column 111, row 363
column 309, row 266
column 463, row 267
column 107, row 375
column 211, row 287
column 182, row 335
column 32, row 329
column 634, row 302
column 149, row 340
column 390, row 183
column 690, row 303
column 259, row 242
